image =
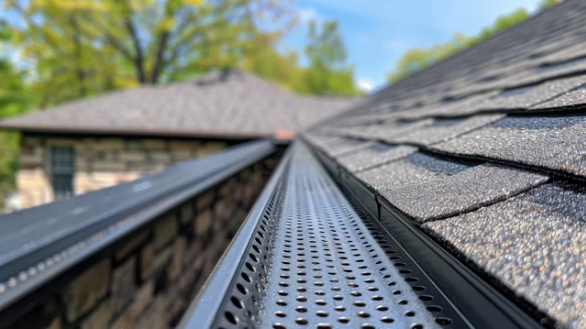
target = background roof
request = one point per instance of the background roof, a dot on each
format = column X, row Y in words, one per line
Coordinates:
column 486, row 151
column 230, row 105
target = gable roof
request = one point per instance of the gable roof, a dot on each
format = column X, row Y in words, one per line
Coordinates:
column 486, row 152
column 230, row 105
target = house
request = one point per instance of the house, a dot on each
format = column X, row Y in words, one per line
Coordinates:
column 93, row 143
column 455, row 198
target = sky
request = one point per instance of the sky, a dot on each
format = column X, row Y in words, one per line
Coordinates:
column 377, row 32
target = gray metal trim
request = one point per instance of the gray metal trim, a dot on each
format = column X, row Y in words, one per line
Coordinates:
column 94, row 220
column 202, row 311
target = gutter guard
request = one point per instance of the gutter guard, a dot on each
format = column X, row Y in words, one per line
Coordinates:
column 308, row 257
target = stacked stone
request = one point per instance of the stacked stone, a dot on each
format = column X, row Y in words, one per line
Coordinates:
column 101, row 162
column 149, row 279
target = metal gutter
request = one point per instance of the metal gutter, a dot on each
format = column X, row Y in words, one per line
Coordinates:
column 482, row 304
column 39, row 244
column 312, row 256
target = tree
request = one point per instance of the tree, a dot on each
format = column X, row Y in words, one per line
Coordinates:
column 417, row 59
column 267, row 62
column 97, row 45
column 327, row 73
column 544, row 4
column 14, row 100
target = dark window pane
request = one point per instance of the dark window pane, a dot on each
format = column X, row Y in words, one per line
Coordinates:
column 62, row 170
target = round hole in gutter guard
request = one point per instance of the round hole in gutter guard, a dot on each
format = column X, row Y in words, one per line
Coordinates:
column 340, row 308
column 246, row 277
column 343, row 320
column 324, row 326
column 367, row 326
column 300, row 321
column 443, row 321
column 322, row 314
column 416, row 326
column 301, row 309
column 434, row 308
column 409, row 313
column 241, row 289
column 231, row 318
column 280, row 314
column 279, row 326
column 237, row 302
column 426, row 298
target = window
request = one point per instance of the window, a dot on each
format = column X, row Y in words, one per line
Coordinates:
column 62, row 170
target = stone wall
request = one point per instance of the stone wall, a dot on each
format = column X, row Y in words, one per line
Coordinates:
column 100, row 162
column 149, row 279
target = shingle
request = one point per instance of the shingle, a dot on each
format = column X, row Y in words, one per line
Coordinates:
column 385, row 130
column 442, row 130
column 414, row 169
column 469, row 189
column 552, row 71
column 535, row 244
column 375, row 155
column 234, row 104
column 574, row 98
column 525, row 97
column 322, row 140
column 346, row 145
column 556, row 143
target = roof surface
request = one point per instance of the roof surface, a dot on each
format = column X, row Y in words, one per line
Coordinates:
column 230, row 105
column 486, row 151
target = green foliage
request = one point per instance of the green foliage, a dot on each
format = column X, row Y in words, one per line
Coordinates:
column 417, row 59
column 327, row 73
column 81, row 48
column 544, row 4
column 14, row 100
column 266, row 62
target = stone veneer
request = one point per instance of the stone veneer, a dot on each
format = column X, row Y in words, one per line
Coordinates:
column 100, row 162
column 149, row 279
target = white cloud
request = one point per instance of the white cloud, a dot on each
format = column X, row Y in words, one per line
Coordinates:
column 365, row 85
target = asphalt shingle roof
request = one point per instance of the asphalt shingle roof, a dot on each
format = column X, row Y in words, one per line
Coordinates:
column 496, row 168
column 231, row 105
column 534, row 243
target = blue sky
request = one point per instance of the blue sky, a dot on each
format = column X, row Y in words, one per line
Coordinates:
column 377, row 32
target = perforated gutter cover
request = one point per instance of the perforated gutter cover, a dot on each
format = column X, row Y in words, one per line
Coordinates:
column 309, row 256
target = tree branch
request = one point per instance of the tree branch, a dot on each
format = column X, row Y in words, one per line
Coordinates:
column 139, row 59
